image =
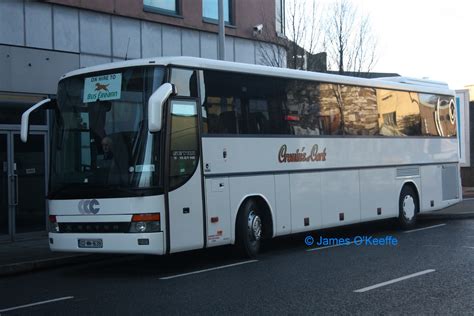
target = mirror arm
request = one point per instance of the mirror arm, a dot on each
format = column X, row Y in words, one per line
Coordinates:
column 156, row 104
column 25, row 118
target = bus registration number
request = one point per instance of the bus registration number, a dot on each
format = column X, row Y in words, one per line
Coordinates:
column 90, row 243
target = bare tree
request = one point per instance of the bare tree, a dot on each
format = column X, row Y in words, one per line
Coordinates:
column 302, row 36
column 348, row 39
column 337, row 29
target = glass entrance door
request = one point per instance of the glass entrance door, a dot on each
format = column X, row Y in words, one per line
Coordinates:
column 4, row 196
column 29, row 166
column 22, row 185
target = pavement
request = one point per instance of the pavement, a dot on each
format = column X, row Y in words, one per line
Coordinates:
column 32, row 255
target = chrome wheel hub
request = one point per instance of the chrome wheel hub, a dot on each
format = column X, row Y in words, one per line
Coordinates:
column 254, row 226
column 408, row 207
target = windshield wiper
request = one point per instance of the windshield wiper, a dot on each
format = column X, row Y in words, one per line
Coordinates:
column 66, row 187
column 134, row 192
column 77, row 188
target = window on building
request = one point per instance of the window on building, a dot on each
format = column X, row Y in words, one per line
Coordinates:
column 280, row 17
column 164, row 6
column 210, row 10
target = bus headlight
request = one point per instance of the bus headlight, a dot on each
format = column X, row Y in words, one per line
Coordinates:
column 145, row 223
column 140, row 227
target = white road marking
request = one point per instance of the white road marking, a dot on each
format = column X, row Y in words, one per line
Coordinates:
column 332, row 246
column 37, row 303
column 468, row 247
column 468, row 199
column 418, row 229
column 207, row 270
column 365, row 289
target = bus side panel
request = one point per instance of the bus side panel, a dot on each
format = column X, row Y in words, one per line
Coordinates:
column 305, row 191
column 440, row 184
column 378, row 191
column 242, row 187
column 340, row 192
column 430, row 187
column 219, row 227
column 283, row 205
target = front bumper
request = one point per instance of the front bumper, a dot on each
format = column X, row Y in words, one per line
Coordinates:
column 111, row 243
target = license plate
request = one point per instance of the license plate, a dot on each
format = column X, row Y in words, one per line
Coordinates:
column 90, row 243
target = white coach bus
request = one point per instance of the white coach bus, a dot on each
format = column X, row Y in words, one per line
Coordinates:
column 164, row 155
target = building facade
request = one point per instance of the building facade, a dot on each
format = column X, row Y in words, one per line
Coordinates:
column 41, row 40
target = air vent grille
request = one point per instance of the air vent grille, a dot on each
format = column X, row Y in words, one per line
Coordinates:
column 408, row 172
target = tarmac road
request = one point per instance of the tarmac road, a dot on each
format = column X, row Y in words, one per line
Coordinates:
column 430, row 270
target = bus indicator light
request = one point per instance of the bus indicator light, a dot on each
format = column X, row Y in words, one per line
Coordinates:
column 146, row 217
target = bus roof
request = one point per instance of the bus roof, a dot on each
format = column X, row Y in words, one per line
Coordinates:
column 396, row 83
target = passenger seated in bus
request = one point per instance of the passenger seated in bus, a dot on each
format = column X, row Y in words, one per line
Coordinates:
column 107, row 148
column 104, row 161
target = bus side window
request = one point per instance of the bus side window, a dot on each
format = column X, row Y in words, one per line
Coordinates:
column 222, row 102
column 185, row 81
column 238, row 103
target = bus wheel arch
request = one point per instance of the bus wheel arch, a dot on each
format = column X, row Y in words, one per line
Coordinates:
column 408, row 205
column 253, row 223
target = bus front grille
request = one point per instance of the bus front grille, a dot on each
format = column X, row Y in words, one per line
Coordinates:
column 117, row 227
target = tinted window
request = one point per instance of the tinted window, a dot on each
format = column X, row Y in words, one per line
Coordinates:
column 399, row 113
column 438, row 115
column 244, row 104
column 252, row 104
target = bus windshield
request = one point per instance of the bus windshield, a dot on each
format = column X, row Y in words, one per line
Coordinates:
column 101, row 146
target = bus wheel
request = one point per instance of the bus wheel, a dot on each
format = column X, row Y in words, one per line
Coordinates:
column 249, row 229
column 408, row 207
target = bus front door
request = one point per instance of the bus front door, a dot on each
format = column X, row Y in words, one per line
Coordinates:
column 186, row 215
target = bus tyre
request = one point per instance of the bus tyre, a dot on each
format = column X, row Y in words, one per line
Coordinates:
column 408, row 207
column 249, row 229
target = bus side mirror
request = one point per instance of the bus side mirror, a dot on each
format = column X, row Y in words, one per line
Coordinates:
column 155, row 106
column 25, row 117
